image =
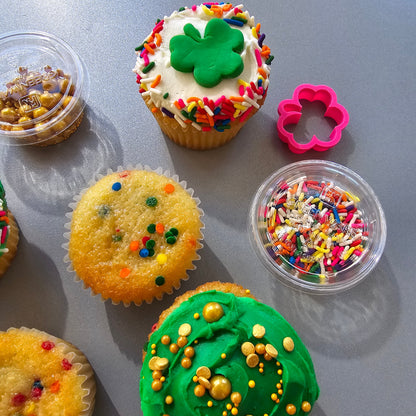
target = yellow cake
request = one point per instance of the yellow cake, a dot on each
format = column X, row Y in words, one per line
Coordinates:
column 133, row 236
column 42, row 375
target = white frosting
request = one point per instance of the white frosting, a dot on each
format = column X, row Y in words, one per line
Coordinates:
column 182, row 85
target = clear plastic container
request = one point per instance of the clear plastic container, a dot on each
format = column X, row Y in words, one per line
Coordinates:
column 43, row 89
column 317, row 226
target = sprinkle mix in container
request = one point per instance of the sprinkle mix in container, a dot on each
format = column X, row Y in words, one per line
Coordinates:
column 318, row 226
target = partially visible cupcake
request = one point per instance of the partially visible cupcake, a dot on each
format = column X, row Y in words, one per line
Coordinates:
column 9, row 233
column 219, row 351
column 43, row 375
column 203, row 72
column 134, row 235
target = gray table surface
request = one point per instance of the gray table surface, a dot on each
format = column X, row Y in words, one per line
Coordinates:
column 361, row 341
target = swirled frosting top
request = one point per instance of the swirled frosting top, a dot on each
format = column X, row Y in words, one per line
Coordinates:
column 219, row 354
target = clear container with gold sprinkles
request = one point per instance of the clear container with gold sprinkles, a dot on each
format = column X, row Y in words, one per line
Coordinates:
column 43, row 88
column 317, row 226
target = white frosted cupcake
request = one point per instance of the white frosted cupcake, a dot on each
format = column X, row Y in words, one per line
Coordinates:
column 43, row 375
column 203, row 72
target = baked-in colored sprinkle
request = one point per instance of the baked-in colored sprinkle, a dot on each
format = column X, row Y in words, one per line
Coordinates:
column 47, row 345
column 151, row 201
column 134, row 246
column 116, row 186
column 160, row 280
column 124, row 272
column 169, row 188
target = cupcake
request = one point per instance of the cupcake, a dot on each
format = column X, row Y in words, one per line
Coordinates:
column 43, row 375
column 9, row 233
column 219, row 351
column 134, row 234
column 203, row 72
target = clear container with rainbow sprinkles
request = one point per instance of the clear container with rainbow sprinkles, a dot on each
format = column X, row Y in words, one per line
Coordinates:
column 43, row 88
column 317, row 226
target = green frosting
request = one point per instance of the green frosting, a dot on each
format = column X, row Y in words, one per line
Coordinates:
column 4, row 231
column 292, row 369
column 212, row 58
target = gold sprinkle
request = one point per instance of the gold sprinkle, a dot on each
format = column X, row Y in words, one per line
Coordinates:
column 156, row 385
column 204, row 382
column 234, row 411
column 236, row 398
column 161, row 364
column 280, row 392
column 196, row 315
column 288, row 344
column 212, row 312
column 195, row 379
column 173, row 348
column 199, row 390
column 223, row 355
column 153, row 352
column 165, row 340
column 290, row 409
column 229, row 406
column 182, row 341
column 189, row 352
column 260, row 348
column 252, row 360
column 168, row 399
column 259, row 331
column 186, row 362
column 252, row 384
column 272, row 351
column 209, row 404
column 306, row 406
column 247, row 348
column 156, row 374
column 203, row 372
column 274, row 397
column 185, row 330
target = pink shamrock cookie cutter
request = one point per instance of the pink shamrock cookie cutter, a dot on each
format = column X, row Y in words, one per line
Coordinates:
column 290, row 112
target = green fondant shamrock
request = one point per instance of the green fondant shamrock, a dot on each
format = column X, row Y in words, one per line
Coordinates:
column 212, row 58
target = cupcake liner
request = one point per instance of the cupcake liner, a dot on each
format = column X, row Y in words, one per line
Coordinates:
column 12, row 241
column 78, row 197
column 191, row 138
column 79, row 362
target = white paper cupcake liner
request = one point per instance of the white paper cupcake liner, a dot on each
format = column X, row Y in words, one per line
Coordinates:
column 77, row 198
column 79, row 362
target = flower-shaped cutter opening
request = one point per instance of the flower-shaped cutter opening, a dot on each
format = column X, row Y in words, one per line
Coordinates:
column 290, row 112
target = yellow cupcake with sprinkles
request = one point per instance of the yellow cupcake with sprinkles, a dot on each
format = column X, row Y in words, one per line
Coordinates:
column 134, row 235
column 42, row 375
column 203, row 72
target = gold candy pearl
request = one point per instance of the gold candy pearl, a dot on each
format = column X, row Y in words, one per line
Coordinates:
column 168, row 399
column 212, row 312
column 156, row 385
column 182, row 341
column 186, row 362
column 173, row 348
column 306, row 406
column 25, row 110
column 260, row 348
column 199, row 390
column 165, row 340
column 189, row 352
column 156, row 374
column 236, row 398
column 291, row 409
column 220, row 387
column 50, row 85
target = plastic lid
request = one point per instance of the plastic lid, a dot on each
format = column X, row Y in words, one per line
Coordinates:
column 43, row 87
